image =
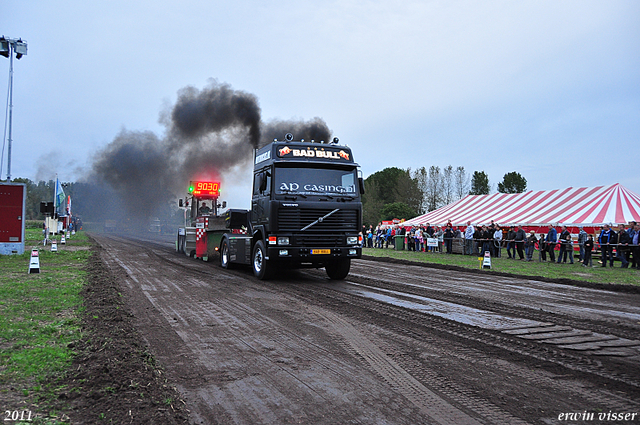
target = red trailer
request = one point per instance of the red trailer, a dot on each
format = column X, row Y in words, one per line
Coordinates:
column 12, row 209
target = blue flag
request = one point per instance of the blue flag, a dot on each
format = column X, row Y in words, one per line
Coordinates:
column 59, row 200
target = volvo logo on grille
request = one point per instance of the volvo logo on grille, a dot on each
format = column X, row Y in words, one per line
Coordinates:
column 289, row 205
column 319, row 220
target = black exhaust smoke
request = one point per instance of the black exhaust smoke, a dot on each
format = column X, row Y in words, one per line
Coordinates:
column 210, row 134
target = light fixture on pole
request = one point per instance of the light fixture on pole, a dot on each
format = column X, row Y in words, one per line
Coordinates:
column 19, row 47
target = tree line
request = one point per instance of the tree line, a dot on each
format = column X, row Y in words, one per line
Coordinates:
column 390, row 193
column 399, row 193
column 84, row 197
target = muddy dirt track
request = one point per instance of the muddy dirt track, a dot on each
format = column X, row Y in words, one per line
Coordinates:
column 392, row 344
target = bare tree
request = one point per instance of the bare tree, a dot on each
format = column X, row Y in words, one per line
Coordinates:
column 447, row 185
column 421, row 177
column 462, row 182
column 433, row 193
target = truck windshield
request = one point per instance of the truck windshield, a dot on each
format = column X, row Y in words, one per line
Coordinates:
column 314, row 181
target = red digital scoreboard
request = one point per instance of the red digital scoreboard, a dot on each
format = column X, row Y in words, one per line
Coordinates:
column 200, row 189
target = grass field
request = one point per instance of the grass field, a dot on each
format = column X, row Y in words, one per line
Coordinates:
column 574, row 271
column 39, row 320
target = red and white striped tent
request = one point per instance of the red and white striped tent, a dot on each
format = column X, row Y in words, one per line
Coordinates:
column 584, row 206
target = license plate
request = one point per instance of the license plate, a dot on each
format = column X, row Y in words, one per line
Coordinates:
column 320, row 251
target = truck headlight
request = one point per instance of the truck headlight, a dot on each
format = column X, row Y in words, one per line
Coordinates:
column 283, row 240
column 352, row 240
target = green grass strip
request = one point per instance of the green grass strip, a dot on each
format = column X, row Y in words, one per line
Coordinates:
column 616, row 275
column 39, row 314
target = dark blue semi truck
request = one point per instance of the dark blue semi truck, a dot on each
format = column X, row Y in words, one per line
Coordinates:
column 306, row 211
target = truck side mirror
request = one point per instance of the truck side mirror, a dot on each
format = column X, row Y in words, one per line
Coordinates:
column 224, row 204
column 180, row 203
column 361, row 182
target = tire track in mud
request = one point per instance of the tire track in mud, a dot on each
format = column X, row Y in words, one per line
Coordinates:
column 572, row 360
column 521, row 297
column 615, row 333
column 543, row 332
column 254, row 366
column 289, row 352
column 412, row 328
column 430, row 403
column 536, row 377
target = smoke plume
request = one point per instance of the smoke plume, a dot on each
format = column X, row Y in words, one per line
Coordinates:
column 210, row 134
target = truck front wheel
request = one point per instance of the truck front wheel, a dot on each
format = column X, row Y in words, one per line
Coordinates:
column 224, row 255
column 262, row 268
column 338, row 269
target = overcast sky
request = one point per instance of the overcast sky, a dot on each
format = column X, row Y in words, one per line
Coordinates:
column 550, row 89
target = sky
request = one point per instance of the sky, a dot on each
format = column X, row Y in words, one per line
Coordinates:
column 549, row 89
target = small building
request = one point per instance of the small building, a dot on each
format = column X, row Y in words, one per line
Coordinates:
column 12, row 217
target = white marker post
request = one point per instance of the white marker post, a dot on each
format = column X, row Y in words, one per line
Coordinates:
column 486, row 263
column 34, row 263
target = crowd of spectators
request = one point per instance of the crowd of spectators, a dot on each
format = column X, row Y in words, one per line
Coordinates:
column 492, row 238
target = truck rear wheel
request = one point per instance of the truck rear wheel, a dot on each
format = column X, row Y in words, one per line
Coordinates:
column 224, row 255
column 262, row 268
column 338, row 269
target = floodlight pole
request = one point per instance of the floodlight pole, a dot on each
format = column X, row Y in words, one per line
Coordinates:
column 18, row 47
column 10, row 111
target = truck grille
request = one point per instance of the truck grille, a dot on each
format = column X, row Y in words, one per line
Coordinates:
column 316, row 240
column 292, row 220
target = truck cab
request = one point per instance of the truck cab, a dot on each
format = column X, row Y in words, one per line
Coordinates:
column 306, row 209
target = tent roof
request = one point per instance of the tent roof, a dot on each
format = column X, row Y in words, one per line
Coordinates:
column 583, row 206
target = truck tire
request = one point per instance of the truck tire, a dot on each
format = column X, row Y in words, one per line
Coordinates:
column 262, row 268
column 224, row 255
column 180, row 244
column 338, row 269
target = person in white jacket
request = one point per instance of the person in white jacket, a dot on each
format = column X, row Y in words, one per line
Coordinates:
column 468, row 238
column 497, row 238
